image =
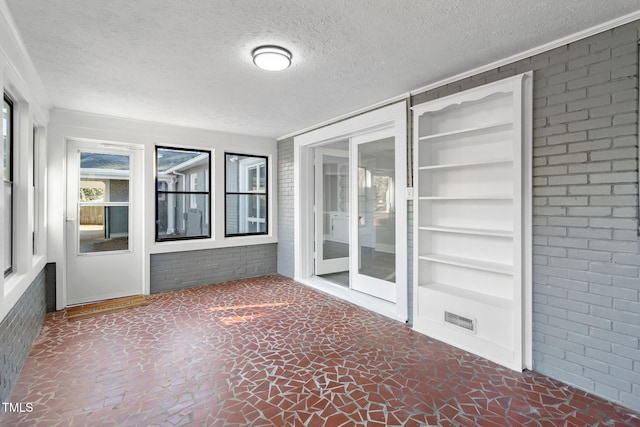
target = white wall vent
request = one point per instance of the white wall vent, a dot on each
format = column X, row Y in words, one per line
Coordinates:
column 462, row 322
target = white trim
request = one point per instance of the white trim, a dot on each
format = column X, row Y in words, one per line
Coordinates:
column 13, row 29
column 20, row 73
column 97, row 173
column 617, row 22
column 493, row 65
column 527, row 219
column 395, row 116
column 363, row 300
column 381, row 104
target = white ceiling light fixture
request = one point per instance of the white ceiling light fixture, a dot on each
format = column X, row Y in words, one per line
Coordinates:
column 271, row 58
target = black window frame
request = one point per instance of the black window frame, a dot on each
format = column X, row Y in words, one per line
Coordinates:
column 241, row 193
column 11, row 144
column 167, row 192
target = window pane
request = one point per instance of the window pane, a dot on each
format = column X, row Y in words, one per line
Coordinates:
column 103, row 228
column 182, row 194
column 34, row 193
column 7, row 112
column 175, row 168
column 246, row 213
column 182, row 215
column 92, row 191
column 246, row 194
column 7, row 227
column 262, row 184
column 104, row 177
column 376, row 209
column 8, row 220
column 232, row 168
column 252, row 179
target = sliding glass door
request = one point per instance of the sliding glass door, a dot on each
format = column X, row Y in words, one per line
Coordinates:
column 332, row 212
column 373, row 211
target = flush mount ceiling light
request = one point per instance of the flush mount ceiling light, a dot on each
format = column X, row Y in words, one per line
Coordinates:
column 271, row 58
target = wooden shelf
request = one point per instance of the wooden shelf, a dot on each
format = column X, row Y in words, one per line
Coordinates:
column 466, row 198
column 469, row 263
column 469, row 294
column 464, row 165
column 478, row 130
column 474, row 231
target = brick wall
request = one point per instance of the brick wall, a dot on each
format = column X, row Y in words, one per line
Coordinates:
column 18, row 330
column 179, row 270
column 285, row 208
column 586, row 265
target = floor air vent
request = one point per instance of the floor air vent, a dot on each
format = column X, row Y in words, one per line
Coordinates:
column 462, row 322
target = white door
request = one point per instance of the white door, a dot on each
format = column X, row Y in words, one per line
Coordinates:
column 331, row 210
column 104, row 223
column 373, row 212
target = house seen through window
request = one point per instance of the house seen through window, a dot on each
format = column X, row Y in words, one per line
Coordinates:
column 246, row 198
column 183, row 196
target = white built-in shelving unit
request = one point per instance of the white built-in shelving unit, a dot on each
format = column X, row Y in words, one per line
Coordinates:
column 471, row 166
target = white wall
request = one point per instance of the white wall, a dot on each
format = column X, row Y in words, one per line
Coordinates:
column 67, row 125
column 21, row 82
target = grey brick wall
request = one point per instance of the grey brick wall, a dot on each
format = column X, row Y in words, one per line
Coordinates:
column 585, row 154
column 179, row 270
column 285, row 207
column 18, row 330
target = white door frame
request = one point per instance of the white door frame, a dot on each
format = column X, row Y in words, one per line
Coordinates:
column 136, row 211
column 390, row 117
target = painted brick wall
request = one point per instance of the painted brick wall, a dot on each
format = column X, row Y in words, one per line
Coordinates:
column 586, row 283
column 179, row 270
column 18, row 330
column 285, row 207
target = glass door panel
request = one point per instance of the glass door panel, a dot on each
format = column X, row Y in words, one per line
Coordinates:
column 375, row 253
column 332, row 211
column 376, row 210
column 103, row 203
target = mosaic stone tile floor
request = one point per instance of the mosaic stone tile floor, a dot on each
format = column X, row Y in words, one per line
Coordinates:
column 271, row 352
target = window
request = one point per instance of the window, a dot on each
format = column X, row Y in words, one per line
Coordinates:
column 246, row 202
column 183, row 194
column 7, row 137
column 34, row 193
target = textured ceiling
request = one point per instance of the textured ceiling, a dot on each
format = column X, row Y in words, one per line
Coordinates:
column 187, row 62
